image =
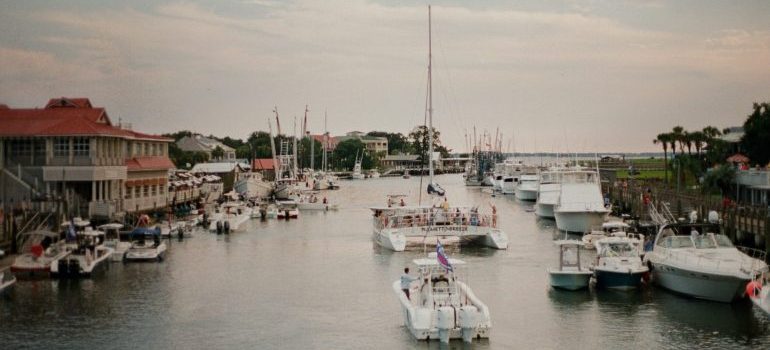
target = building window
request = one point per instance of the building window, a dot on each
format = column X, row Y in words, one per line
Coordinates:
column 81, row 146
column 137, row 191
column 154, row 189
column 137, row 149
column 21, row 148
column 129, row 192
column 61, row 147
column 146, row 191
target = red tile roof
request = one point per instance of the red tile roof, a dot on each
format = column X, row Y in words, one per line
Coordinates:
column 149, row 163
column 262, row 164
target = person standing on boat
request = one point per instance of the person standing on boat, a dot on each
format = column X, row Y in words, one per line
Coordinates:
column 406, row 281
column 494, row 214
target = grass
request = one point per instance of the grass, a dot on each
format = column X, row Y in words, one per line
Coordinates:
column 643, row 174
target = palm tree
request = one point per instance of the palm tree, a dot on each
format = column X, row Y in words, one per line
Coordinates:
column 698, row 138
column 687, row 141
column 664, row 140
column 677, row 133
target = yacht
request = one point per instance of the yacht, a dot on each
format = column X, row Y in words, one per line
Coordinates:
column 526, row 189
column 548, row 190
column 618, row 265
column 112, row 240
column 440, row 305
column 693, row 259
column 143, row 249
column 7, row 280
column 89, row 256
column 38, row 250
column 613, row 229
column 253, row 185
column 570, row 274
column 580, row 206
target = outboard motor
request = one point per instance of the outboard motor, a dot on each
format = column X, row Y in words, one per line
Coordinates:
column 227, row 227
column 446, row 322
column 219, row 227
column 467, row 318
column 180, row 233
column 205, row 221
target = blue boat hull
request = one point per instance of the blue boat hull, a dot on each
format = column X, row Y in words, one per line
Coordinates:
column 618, row 280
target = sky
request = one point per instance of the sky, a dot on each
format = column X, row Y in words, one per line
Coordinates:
column 551, row 76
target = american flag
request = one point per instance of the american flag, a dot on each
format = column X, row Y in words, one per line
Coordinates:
column 442, row 258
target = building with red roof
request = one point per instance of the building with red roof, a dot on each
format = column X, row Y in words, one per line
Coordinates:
column 70, row 151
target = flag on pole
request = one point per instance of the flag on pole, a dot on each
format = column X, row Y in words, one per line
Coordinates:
column 442, row 258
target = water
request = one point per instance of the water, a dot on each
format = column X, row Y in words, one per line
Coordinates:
column 319, row 282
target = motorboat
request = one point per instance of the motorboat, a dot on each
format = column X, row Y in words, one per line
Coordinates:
column 89, row 256
column 440, row 305
column 357, row 174
column 39, row 249
column 310, row 201
column 618, row 265
column 614, row 229
column 526, row 189
column 114, row 241
column 406, row 174
column 580, row 206
column 7, row 280
column 548, row 190
column 232, row 217
column 374, row 174
column 325, row 181
column 570, row 274
column 146, row 245
column 271, row 211
column 287, row 209
column 511, row 176
column 253, row 185
column 401, row 227
column 693, row 259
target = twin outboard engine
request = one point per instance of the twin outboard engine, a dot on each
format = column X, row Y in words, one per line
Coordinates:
column 446, row 322
column 467, row 319
column 220, row 227
column 227, row 227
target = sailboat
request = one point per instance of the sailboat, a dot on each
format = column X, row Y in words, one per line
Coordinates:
column 433, row 187
column 323, row 180
column 285, row 164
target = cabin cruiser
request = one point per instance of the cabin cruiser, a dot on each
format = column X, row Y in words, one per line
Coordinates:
column 440, row 305
column 287, row 209
column 400, row 227
column 89, row 255
column 693, row 259
column 580, row 206
column 7, row 280
column 39, row 250
column 253, row 185
column 144, row 249
column 526, row 189
column 310, row 201
column 112, row 240
column 570, row 274
column 614, row 229
column 618, row 265
column 548, row 190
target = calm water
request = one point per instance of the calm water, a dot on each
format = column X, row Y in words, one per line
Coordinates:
column 319, row 282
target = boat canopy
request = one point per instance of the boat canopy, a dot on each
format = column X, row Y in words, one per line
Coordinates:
column 145, row 231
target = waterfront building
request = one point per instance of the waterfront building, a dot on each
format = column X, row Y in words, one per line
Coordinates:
column 401, row 161
column 70, row 152
column 373, row 144
column 200, row 143
column 264, row 166
column 229, row 172
column 753, row 186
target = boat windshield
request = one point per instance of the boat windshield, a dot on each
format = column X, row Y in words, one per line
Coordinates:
column 620, row 249
column 704, row 242
column 723, row 241
column 676, row 242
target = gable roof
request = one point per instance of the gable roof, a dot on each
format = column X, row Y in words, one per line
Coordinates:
column 263, row 164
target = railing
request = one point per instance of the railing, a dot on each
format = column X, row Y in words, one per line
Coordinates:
column 449, row 220
column 757, row 261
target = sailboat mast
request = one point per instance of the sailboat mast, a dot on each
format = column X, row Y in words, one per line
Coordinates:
column 430, row 100
column 295, row 149
column 272, row 145
column 325, row 164
column 312, row 142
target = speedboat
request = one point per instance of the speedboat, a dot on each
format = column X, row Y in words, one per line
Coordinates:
column 580, row 206
column 570, row 274
column 39, row 250
column 526, row 189
column 618, row 265
column 112, row 240
column 231, row 216
column 441, row 306
column 374, row 174
column 144, row 249
column 287, row 209
column 548, row 190
column 614, row 229
column 89, row 256
column 7, row 280
column 310, row 201
column 693, row 259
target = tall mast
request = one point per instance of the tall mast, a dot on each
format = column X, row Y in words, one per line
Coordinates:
column 295, row 149
column 430, row 100
column 312, row 143
column 325, row 165
column 272, row 145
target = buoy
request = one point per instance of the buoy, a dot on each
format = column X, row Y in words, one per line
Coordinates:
column 753, row 288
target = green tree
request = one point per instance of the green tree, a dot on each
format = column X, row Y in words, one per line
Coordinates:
column 718, row 179
column 757, row 133
column 217, row 153
column 677, row 134
column 344, row 156
column 397, row 142
column 419, row 140
column 664, row 139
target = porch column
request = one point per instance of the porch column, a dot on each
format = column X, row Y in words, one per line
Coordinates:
column 93, row 191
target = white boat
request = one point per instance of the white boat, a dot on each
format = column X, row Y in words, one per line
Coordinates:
column 570, row 274
column 325, row 181
column 271, row 212
column 613, row 229
column 406, row 174
column 146, row 245
column 235, row 215
column 441, row 306
column 112, row 240
column 526, row 189
column 89, row 256
column 311, row 201
column 618, row 264
column 252, row 185
column 7, row 280
column 38, row 250
column 287, row 209
column 374, row 174
column 693, row 260
column 548, row 190
column 357, row 174
column 580, row 206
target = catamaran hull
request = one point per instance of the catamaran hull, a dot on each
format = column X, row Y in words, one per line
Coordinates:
column 390, row 239
column 618, row 280
column 570, row 280
column 580, row 222
column 544, row 210
column 699, row 285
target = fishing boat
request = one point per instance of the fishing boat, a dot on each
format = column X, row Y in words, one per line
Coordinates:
column 693, row 259
column 548, row 190
column 580, row 206
column 441, row 306
column 618, row 265
column 39, row 249
column 253, row 185
column 311, row 201
column 144, row 249
column 357, row 174
column 7, row 280
column 89, row 256
column 570, row 274
column 526, row 189
column 113, row 240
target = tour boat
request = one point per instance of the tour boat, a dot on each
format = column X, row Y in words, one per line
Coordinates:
column 570, row 274
column 112, row 240
column 39, row 249
column 548, row 190
column 580, row 206
column 526, row 189
column 693, row 259
column 618, row 265
column 143, row 249
column 440, row 305
column 89, row 256
column 7, row 280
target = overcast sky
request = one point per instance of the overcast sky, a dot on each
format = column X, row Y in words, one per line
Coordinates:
column 575, row 76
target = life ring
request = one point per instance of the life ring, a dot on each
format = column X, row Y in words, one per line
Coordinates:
column 753, row 288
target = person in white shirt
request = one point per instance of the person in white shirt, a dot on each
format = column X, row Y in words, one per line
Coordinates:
column 406, row 281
